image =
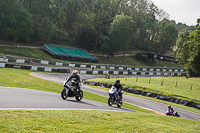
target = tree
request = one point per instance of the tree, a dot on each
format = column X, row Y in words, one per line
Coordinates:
column 167, row 36
column 107, row 46
column 122, row 32
column 15, row 21
column 181, row 43
column 189, row 50
column 85, row 38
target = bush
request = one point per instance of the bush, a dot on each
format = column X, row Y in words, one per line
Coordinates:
column 142, row 57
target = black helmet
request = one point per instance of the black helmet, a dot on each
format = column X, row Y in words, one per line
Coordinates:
column 74, row 72
column 117, row 81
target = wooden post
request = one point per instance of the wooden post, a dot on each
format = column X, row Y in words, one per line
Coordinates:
column 176, row 83
column 162, row 82
column 191, row 87
column 150, row 80
column 136, row 78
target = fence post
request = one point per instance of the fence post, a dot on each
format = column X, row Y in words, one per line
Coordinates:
column 191, row 87
column 162, row 82
column 136, row 78
column 176, row 83
column 150, row 80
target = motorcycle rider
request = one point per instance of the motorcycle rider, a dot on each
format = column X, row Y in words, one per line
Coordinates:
column 75, row 77
column 170, row 111
column 118, row 86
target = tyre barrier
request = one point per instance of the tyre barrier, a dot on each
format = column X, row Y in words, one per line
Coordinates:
column 149, row 94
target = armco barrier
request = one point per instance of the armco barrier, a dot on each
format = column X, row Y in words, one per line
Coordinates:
column 35, row 68
column 112, row 69
column 49, row 69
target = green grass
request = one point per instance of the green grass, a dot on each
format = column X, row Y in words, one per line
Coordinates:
column 134, row 62
column 182, row 91
column 93, row 121
column 81, row 121
column 25, row 52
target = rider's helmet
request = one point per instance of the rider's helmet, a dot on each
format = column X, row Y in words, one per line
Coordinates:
column 117, row 81
column 74, row 72
column 169, row 107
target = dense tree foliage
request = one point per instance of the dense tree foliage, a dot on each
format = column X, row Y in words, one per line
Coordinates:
column 97, row 25
column 188, row 44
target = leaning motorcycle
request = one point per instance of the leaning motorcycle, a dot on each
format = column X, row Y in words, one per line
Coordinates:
column 176, row 114
column 113, row 94
column 70, row 90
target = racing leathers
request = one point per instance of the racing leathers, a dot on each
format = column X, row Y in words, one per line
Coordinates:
column 119, row 89
column 170, row 111
column 76, row 79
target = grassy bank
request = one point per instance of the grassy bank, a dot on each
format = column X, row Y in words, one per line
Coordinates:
column 39, row 54
column 186, row 89
column 133, row 61
column 92, row 121
column 25, row 52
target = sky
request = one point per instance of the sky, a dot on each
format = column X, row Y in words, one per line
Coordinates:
column 184, row 11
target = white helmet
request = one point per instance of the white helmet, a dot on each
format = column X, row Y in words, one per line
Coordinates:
column 74, row 72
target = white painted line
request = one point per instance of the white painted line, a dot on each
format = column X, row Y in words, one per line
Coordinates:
column 83, row 66
column 2, row 64
column 47, row 69
column 82, row 72
column 65, row 109
column 95, row 72
column 34, row 68
column 20, row 61
column 72, row 65
column 44, row 62
column 59, row 64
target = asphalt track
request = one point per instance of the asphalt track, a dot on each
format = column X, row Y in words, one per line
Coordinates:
column 26, row 99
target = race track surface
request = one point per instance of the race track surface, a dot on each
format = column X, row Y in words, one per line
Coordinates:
column 18, row 98
column 27, row 99
column 143, row 103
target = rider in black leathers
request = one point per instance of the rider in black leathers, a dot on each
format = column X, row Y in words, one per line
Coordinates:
column 74, row 77
column 118, row 86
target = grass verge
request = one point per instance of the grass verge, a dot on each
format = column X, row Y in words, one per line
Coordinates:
column 182, row 91
column 92, row 121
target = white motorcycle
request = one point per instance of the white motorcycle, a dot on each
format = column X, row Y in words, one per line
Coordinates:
column 113, row 96
column 70, row 90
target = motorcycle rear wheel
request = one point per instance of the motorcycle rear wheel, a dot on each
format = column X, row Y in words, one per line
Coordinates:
column 79, row 98
column 119, row 104
column 63, row 94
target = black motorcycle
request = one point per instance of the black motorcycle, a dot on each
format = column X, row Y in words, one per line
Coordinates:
column 71, row 90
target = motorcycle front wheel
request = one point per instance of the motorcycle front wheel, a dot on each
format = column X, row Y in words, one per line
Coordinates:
column 79, row 98
column 110, row 100
column 63, row 94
